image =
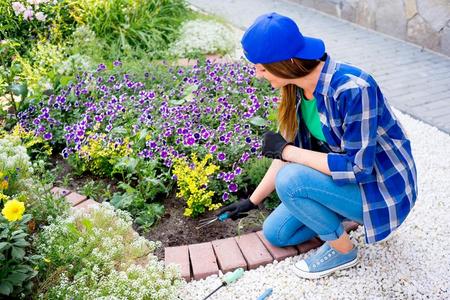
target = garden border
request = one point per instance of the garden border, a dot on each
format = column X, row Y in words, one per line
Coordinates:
column 198, row 261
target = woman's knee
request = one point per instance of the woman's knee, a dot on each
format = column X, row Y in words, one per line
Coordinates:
column 290, row 177
column 271, row 232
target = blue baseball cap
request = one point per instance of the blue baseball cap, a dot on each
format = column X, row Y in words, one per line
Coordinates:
column 273, row 37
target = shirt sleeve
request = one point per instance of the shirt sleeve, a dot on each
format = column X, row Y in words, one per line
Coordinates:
column 356, row 163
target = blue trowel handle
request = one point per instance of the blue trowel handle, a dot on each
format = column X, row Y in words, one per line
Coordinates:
column 266, row 294
column 223, row 216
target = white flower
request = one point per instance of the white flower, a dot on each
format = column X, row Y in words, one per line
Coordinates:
column 40, row 16
column 34, row 2
column 18, row 8
column 206, row 37
column 28, row 13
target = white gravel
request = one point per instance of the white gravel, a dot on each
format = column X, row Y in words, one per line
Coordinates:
column 413, row 264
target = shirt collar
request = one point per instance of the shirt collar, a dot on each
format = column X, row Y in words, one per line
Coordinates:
column 323, row 85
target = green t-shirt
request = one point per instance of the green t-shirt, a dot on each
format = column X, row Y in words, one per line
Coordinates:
column 311, row 117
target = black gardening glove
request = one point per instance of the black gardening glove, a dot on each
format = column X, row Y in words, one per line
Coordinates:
column 238, row 210
column 273, row 145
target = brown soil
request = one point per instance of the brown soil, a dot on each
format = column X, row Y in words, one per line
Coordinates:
column 174, row 229
column 76, row 183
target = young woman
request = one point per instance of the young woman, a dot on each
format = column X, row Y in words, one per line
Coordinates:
column 341, row 154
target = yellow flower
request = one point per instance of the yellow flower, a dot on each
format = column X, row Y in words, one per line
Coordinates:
column 13, row 210
column 4, row 185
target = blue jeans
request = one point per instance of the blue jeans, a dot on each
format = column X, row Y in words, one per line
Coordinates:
column 312, row 205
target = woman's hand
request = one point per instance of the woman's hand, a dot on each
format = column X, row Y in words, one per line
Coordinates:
column 273, row 145
column 238, row 210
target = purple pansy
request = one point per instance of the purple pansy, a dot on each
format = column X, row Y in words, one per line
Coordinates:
column 213, row 149
column 232, row 187
column 221, row 156
column 48, row 136
column 225, row 196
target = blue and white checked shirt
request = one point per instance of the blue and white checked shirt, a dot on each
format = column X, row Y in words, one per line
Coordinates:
column 368, row 144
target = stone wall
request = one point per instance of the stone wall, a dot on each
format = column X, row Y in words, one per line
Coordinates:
column 423, row 22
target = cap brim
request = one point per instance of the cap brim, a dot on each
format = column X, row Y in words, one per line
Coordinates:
column 313, row 49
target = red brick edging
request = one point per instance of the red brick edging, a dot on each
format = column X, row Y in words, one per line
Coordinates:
column 76, row 200
column 249, row 251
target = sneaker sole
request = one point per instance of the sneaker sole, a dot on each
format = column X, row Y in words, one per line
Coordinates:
column 316, row 275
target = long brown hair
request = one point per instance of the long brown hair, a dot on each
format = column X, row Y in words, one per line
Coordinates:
column 290, row 69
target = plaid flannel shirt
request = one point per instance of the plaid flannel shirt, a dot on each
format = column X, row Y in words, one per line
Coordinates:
column 368, row 146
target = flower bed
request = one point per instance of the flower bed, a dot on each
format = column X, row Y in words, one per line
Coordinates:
column 47, row 254
column 112, row 124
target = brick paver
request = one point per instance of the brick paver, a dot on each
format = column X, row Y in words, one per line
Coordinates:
column 277, row 253
column 179, row 256
column 253, row 250
column 87, row 204
column 228, row 254
column 75, row 198
column 412, row 78
column 60, row 191
column 203, row 260
column 248, row 251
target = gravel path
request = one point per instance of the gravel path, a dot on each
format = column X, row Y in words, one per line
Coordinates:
column 413, row 264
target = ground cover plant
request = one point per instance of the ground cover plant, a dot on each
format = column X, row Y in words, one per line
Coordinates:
column 96, row 254
column 200, row 37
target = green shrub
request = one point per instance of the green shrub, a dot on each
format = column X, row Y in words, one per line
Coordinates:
column 254, row 171
column 16, row 263
column 27, row 23
column 40, row 67
column 141, row 24
column 96, row 254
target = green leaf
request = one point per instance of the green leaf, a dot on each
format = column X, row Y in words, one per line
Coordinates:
column 6, row 288
column 23, row 269
column 119, row 130
column 4, row 245
column 88, row 224
column 17, row 253
column 258, row 121
column 122, row 201
column 17, row 232
column 189, row 93
column 19, row 89
column 177, row 102
column 142, row 134
column 64, row 80
column 157, row 208
column 34, row 257
column 16, row 278
column 20, row 235
column 73, row 229
column 25, row 219
column 21, row 243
